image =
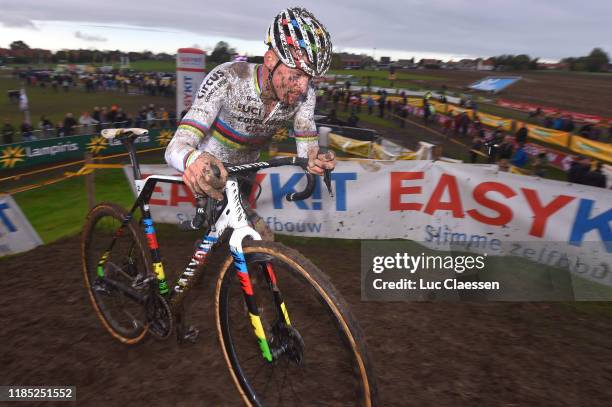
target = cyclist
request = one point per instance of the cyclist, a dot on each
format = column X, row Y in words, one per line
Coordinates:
column 240, row 106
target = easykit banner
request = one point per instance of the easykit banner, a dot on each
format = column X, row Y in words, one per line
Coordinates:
column 16, row 233
column 441, row 205
column 54, row 150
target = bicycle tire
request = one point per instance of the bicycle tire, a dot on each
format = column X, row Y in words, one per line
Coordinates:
column 334, row 305
column 91, row 252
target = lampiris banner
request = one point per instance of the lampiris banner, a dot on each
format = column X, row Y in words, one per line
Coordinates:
column 440, row 204
column 48, row 151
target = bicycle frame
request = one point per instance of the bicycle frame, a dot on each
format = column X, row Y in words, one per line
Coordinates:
column 232, row 216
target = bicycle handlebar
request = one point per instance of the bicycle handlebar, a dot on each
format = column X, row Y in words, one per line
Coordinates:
column 280, row 162
column 206, row 207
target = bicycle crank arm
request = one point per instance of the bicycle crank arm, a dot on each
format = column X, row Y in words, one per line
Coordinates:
column 125, row 289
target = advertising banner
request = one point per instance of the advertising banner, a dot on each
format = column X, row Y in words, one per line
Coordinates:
column 599, row 150
column 190, row 64
column 528, row 107
column 16, row 233
column 560, row 138
column 439, row 204
column 494, row 84
column 495, row 121
column 53, row 150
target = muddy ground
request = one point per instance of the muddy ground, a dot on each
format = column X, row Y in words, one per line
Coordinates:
column 424, row 354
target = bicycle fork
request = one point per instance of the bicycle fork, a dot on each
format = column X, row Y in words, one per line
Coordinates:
column 247, row 289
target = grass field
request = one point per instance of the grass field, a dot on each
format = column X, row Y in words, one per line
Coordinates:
column 406, row 80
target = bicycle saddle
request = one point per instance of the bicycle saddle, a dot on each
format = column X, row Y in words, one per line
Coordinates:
column 123, row 133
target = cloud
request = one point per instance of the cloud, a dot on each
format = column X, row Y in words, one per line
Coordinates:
column 16, row 21
column 87, row 37
column 544, row 28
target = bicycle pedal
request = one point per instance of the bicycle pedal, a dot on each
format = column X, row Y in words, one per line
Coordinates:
column 100, row 286
column 191, row 334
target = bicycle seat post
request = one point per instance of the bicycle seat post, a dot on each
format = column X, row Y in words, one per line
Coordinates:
column 128, row 142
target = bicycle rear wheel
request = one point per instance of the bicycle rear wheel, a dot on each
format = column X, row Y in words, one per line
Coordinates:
column 320, row 357
column 110, row 270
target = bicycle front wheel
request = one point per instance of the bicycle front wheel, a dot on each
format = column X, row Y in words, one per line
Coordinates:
column 318, row 355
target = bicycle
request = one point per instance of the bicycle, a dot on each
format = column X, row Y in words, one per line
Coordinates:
column 305, row 333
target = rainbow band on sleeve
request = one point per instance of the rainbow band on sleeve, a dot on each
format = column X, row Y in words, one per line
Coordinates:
column 190, row 157
column 194, row 126
column 311, row 135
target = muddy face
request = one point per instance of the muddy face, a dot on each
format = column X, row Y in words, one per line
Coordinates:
column 291, row 84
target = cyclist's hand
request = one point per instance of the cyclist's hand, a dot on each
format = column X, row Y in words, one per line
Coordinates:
column 317, row 162
column 201, row 180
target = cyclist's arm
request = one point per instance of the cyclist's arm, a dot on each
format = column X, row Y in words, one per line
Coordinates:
column 304, row 128
column 194, row 127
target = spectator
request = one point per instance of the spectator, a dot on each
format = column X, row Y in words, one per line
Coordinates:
column 579, row 168
column 8, row 132
column 569, row 125
column 426, row 111
column 104, row 119
column 59, row 130
column 111, row 116
column 151, row 116
column 27, row 132
column 520, row 157
column 45, row 126
column 505, row 151
column 128, row 121
column 558, row 123
column 521, row 134
column 539, row 165
column 370, row 102
column 87, row 122
column 477, row 142
column 493, row 142
column 548, row 122
column 96, row 114
column 596, row 178
column 381, row 106
column 172, row 118
column 69, row 123
column 464, row 124
column 120, row 118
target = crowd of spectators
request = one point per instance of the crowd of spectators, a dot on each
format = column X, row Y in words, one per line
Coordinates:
column 90, row 122
column 505, row 148
column 146, row 83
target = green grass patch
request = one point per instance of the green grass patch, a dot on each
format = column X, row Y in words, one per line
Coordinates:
column 405, row 80
column 59, row 209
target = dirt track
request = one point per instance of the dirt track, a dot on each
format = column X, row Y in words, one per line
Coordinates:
column 582, row 93
column 425, row 354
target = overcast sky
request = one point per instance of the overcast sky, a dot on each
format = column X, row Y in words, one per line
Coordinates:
column 549, row 29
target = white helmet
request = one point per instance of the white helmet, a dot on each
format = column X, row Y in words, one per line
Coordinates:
column 296, row 27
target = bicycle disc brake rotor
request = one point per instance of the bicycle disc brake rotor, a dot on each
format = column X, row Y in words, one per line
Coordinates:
column 288, row 342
